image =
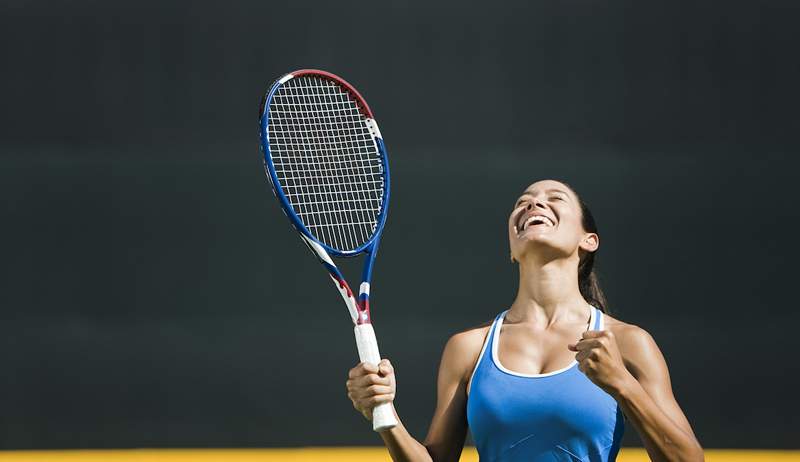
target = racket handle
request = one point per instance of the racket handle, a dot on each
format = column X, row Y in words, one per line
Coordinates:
column 382, row 414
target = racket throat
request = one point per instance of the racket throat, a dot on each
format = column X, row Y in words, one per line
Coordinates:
column 363, row 311
column 363, row 303
column 358, row 307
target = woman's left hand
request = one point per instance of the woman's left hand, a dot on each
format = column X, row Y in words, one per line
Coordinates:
column 600, row 360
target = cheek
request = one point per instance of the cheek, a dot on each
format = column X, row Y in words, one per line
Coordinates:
column 570, row 227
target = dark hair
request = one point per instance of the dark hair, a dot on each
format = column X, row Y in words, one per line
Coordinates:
column 588, row 282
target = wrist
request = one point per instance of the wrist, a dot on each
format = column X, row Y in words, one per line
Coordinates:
column 625, row 387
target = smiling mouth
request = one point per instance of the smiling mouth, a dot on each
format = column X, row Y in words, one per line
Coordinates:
column 536, row 220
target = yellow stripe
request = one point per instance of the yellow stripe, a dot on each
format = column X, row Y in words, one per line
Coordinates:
column 324, row 455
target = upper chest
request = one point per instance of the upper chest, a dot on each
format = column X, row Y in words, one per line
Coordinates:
column 527, row 350
column 530, row 349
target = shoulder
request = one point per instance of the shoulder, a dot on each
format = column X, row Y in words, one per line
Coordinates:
column 463, row 348
column 636, row 345
column 625, row 332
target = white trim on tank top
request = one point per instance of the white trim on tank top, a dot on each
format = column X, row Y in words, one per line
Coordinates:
column 496, row 342
column 594, row 312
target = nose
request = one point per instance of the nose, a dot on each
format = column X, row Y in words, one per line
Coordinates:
column 536, row 203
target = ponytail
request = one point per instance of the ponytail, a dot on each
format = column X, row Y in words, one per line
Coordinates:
column 588, row 282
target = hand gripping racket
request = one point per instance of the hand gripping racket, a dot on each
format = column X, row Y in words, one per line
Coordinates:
column 326, row 161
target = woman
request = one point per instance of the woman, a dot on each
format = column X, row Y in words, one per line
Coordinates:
column 557, row 385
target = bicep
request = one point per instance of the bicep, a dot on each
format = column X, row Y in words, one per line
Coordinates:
column 448, row 428
column 647, row 364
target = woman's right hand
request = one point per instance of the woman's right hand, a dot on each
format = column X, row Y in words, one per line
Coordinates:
column 369, row 385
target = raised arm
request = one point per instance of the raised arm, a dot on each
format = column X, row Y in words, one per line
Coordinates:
column 448, row 427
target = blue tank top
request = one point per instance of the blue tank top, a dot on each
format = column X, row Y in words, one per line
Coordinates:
column 556, row 416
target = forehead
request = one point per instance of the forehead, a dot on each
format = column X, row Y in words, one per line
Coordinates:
column 548, row 185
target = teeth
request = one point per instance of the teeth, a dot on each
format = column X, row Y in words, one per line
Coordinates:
column 537, row 219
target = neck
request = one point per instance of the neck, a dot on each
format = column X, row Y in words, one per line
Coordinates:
column 548, row 292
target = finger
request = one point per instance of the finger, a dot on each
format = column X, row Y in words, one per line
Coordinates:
column 370, row 391
column 367, row 404
column 373, row 390
column 587, row 344
column 386, row 366
column 571, row 346
column 370, row 379
column 586, row 354
column 370, row 368
column 593, row 333
column 357, row 371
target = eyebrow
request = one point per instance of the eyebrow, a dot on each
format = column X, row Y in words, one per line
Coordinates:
column 551, row 190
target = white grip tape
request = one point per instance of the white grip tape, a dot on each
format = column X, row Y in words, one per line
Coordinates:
column 382, row 414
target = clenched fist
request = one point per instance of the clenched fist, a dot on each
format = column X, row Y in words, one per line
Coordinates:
column 600, row 360
column 368, row 386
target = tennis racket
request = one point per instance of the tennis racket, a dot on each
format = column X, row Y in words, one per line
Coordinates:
column 326, row 161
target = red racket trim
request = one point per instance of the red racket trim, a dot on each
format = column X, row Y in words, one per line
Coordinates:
column 362, row 102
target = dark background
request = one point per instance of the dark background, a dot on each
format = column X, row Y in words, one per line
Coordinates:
column 154, row 295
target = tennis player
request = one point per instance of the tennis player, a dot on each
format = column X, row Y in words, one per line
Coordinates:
column 552, row 378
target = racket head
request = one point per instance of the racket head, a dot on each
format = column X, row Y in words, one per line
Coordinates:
column 326, row 160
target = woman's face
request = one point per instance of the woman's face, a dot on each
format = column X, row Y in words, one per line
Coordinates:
column 546, row 221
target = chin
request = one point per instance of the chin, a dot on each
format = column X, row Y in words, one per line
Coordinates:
column 543, row 245
column 538, row 237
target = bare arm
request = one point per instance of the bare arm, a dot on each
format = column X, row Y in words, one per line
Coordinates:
column 448, row 428
column 647, row 400
column 639, row 381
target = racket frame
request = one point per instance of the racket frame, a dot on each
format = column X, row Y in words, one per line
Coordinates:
column 358, row 307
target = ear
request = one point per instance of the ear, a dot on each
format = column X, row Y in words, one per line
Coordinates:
column 590, row 242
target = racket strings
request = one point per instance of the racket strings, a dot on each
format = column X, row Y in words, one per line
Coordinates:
column 326, row 160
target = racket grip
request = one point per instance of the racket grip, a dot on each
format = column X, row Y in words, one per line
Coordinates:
column 382, row 414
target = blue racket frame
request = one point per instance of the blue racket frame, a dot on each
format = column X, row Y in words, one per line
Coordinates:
column 359, row 308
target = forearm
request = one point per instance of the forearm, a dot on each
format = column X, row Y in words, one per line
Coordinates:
column 402, row 446
column 662, row 438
